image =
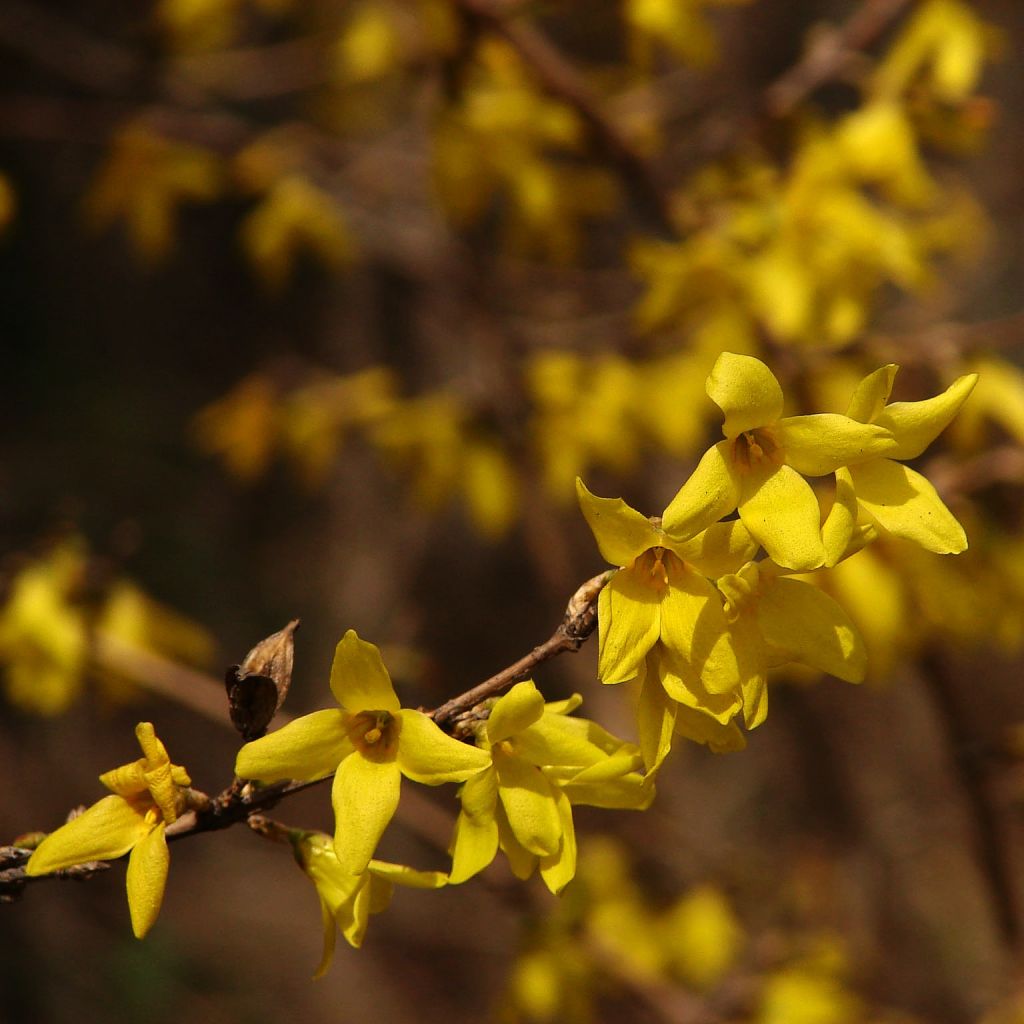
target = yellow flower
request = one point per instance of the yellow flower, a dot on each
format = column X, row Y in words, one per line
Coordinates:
column 759, row 468
column 662, row 598
column 348, row 900
column 896, row 498
column 542, row 762
column 369, row 742
column 149, row 796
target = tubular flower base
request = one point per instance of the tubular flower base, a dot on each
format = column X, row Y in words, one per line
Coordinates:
column 149, row 795
column 369, row 742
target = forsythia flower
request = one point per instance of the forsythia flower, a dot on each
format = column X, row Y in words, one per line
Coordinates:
column 148, row 797
column 348, row 900
column 542, row 762
column 894, row 497
column 369, row 742
column 759, row 467
column 661, row 598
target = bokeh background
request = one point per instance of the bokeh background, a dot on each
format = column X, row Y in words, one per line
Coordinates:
column 316, row 310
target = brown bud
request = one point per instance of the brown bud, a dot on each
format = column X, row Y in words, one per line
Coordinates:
column 258, row 687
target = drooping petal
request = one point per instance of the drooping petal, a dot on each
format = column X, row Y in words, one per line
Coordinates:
column 746, row 391
column 353, row 916
column 872, row 393
column 479, row 794
column 701, row 728
column 308, row 748
column 474, row 846
column 516, row 710
column 916, row 424
column 655, row 722
column 819, row 444
column 621, row 532
column 837, row 530
column 755, row 702
column 811, row 628
column 106, row 831
column 629, row 618
column 529, row 804
column 147, row 876
column 907, row 505
column 359, row 680
column 427, row 754
column 632, row 792
column 558, row 870
column 364, row 796
column 721, row 548
column 411, row 878
column 780, row 510
column 693, row 628
column 330, row 938
column 683, row 685
column 520, row 860
column 751, row 657
column 710, row 493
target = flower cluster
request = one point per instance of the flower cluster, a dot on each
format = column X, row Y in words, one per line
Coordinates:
column 695, row 616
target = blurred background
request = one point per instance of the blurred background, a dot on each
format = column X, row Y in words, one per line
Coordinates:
column 317, row 310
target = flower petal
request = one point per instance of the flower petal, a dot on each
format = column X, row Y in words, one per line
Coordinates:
column 520, row 860
column 819, row 444
column 720, row 549
column 529, row 803
column 655, row 722
column 558, row 870
column 353, row 916
column 557, row 740
column 811, row 628
column 519, row 708
column 701, row 728
column 916, row 424
column 837, row 530
column 780, row 510
column 411, row 878
column 710, row 493
column 629, row 618
column 330, row 937
column 365, row 797
column 308, row 748
column 746, row 391
column 907, row 505
column 147, row 876
column 427, row 754
column 872, row 393
column 682, row 684
column 106, row 831
column 621, row 532
column 473, row 847
column 359, row 680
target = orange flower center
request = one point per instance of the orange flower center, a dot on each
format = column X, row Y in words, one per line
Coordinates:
column 375, row 734
column 754, row 447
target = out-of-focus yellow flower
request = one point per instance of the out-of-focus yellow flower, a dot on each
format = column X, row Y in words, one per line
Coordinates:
column 43, row 633
column 702, row 937
column 143, row 182
column 369, row 46
column 347, row 900
column 680, row 26
column 149, row 796
column 810, row 991
column 196, row 25
column 242, row 427
column 369, row 742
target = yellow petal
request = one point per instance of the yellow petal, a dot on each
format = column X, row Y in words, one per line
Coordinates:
column 701, row 728
column 559, row 869
column 107, row 830
column 711, row 492
column 473, row 847
column 720, row 549
column 365, row 797
column 359, row 680
column 519, row 708
column 399, row 874
column 916, row 424
column 308, row 748
column 330, row 937
column 820, row 444
column 780, row 510
column 529, row 804
column 746, row 391
column 556, row 740
column 872, row 393
column 811, row 628
column 479, row 794
column 520, row 860
column 683, row 685
column 755, row 702
column 629, row 618
column 353, row 916
column 621, row 532
column 655, row 722
column 429, row 755
column 147, row 876
column 837, row 530
column 907, row 505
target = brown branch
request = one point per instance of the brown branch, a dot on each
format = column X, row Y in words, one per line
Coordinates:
column 560, row 79
column 990, row 835
column 830, row 54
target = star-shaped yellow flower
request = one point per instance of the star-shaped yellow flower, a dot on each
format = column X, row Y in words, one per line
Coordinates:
column 661, row 597
column 347, row 900
column 896, row 498
column 369, row 742
column 149, row 795
column 759, row 468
